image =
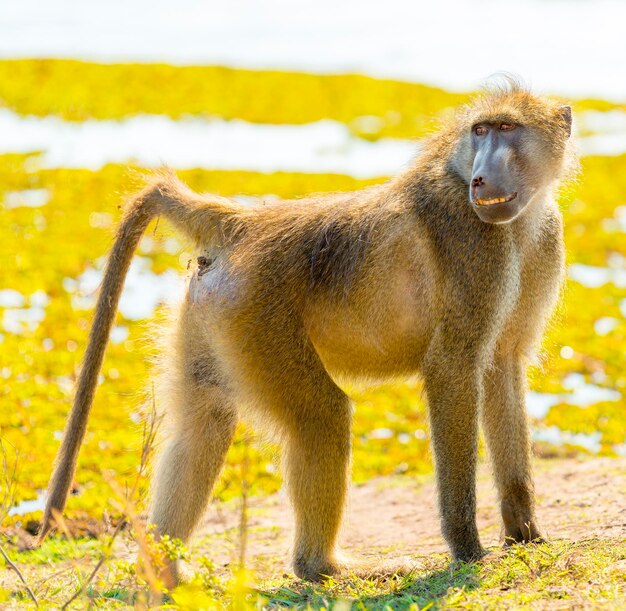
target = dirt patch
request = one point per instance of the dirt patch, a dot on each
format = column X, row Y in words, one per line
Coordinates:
column 392, row 520
column 397, row 517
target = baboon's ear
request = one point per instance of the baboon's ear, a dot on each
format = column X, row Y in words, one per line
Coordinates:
column 566, row 115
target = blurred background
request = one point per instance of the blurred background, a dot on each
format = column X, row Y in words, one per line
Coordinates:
column 276, row 99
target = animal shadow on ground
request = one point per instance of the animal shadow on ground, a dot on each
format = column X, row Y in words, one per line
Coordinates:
column 382, row 592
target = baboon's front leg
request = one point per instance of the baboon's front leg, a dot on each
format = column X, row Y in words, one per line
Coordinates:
column 506, row 429
column 453, row 387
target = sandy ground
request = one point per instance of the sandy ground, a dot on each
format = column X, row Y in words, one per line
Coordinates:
column 397, row 517
column 390, row 521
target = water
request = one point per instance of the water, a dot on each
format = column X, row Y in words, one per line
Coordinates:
column 608, row 131
column 582, row 394
column 10, row 298
column 119, row 334
column 603, row 326
column 29, row 198
column 143, row 291
column 574, row 48
column 22, row 320
column 593, row 276
column 555, row 436
column 154, row 140
column 17, row 318
column 25, row 507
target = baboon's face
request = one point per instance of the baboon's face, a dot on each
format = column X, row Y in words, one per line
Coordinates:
column 508, row 161
column 496, row 191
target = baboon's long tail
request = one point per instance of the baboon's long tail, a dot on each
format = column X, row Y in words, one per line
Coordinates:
column 199, row 218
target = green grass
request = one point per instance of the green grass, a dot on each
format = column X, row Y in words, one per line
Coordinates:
column 539, row 577
column 556, row 575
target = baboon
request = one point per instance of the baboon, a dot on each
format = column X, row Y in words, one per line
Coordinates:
column 449, row 270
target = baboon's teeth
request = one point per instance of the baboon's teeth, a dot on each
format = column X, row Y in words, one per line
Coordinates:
column 488, row 202
column 495, row 200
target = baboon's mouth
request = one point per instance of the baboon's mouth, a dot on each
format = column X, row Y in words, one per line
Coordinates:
column 496, row 200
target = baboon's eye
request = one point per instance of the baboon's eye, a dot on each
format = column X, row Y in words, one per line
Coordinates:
column 480, row 130
column 507, row 127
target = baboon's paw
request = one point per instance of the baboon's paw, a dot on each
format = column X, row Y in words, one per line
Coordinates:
column 526, row 532
column 318, row 569
column 521, row 540
column 470, row 553
column 169, row 576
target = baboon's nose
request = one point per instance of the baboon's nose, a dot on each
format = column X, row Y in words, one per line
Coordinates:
column 479, row 187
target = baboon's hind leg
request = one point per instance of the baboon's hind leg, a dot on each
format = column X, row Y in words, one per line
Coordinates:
column 191, row 461
column 317, row 463
column 315, row 416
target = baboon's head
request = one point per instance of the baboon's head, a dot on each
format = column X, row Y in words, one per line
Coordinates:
column 511, row 146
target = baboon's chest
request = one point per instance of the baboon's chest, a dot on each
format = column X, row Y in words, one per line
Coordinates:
column 540, row 271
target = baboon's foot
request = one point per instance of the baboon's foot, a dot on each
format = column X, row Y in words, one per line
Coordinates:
column 165, row 577
column 461, row 534
column 174, row 574
column 318, row 569
column 524, row 532
column 520, row 525
column 161, row 580
column 470, row 552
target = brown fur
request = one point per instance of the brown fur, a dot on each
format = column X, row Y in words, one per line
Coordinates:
column 385, row 282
